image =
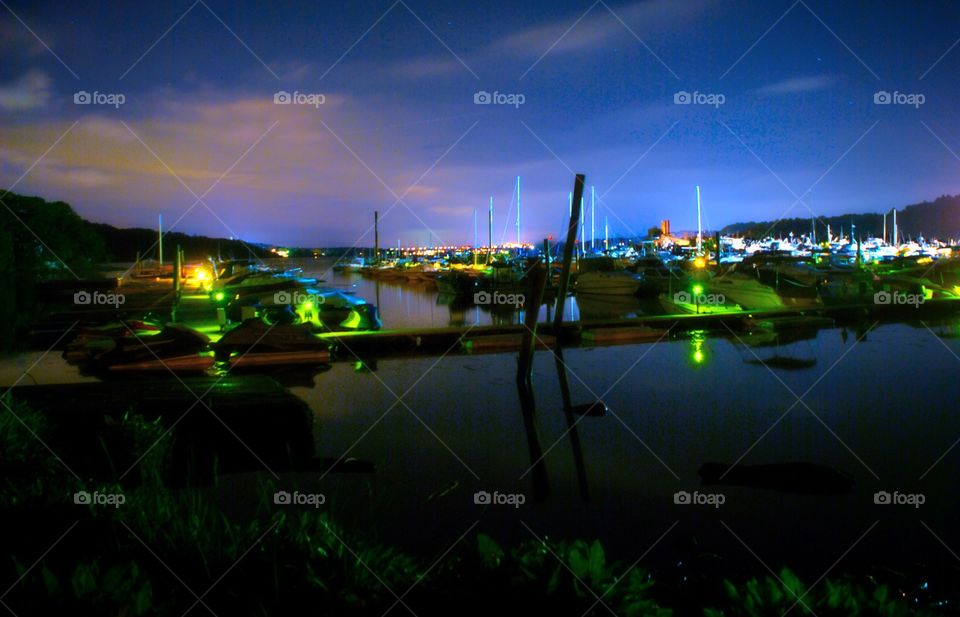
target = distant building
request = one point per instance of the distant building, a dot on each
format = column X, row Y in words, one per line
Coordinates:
column 665, row 227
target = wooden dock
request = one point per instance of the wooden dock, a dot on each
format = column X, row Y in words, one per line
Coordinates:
column 402, row 342
column 195, row 310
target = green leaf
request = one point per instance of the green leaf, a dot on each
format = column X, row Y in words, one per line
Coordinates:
column 490, row 552
column 50, row 582
column 597, row 561
column 84, row 580
column 792, row 583
column 578, row 559
column 143, row 600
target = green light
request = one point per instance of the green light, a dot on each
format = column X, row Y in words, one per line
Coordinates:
column 697, row 340
column 697, row 290
column 308, row 306
column 218, row 296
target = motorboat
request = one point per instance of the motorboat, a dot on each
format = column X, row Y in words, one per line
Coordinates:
column 658, row 277
column 609, row 283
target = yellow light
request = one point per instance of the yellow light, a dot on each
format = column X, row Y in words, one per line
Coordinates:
column 700, row 262
column 698, row 356
column 201, row 274
column 308, row 306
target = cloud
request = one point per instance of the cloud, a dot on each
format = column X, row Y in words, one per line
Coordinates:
column 289, row 186
column 796, row 85
column 30, row 91
column 600, row 28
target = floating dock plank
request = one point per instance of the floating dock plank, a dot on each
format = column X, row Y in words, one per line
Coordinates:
column 199, row 363
column 499, row 343
column 622, row 335
column 286, row 358
column 192, row 363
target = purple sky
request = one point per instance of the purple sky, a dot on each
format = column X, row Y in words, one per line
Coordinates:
column 398, row 130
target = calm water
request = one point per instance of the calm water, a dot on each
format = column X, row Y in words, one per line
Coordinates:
column 416, row 305
column 883, row 409
column 885, row 412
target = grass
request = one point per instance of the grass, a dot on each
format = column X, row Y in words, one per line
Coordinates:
column 163, row 548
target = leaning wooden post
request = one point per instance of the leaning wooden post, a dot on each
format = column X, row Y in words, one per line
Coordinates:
column 175, row 302
column 717, row 236
column 176, row 270
column 536, row 278
column 568, row 252
column 546, row 257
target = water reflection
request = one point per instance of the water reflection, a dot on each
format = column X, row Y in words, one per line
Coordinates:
column 698, row 339
column 403, row 304
column 790, row 350
column 594, row 307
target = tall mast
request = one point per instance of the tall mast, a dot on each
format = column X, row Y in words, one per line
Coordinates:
column 474, row 229
column 884, row 226
column 606, row 234
column 518, row 211
column 376, row 237
column 490, row 231
column 699, row 228
column 895, row 238
column 593, row 215
column 160, row 238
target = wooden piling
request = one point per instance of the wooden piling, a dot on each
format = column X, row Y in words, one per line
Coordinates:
column 717, row 237
column 568, row 249
column 537, row 277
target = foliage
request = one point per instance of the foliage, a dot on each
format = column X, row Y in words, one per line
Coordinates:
column 161, row 549
column 31, row 475
column 39, row 240
column 760, row 598
column 931, row 219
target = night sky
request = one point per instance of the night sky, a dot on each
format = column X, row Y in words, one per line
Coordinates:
column 398, row 129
